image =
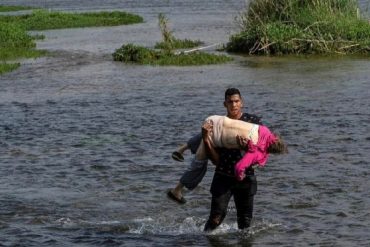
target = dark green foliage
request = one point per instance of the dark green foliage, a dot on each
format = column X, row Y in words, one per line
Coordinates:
column 140, row 55
column 13, row 36
column 42, row 20
column 135, row 54
column 301, row 26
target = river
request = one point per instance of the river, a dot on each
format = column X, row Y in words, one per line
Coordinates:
column 85, row 142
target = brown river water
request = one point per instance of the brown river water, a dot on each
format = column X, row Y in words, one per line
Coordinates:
column 85, row 142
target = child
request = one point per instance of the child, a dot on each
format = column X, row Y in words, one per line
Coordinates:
column 261, row 142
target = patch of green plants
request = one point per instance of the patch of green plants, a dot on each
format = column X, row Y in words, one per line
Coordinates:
column 169, row 41
column 164, row 52
column 178, row 44
column 302, row 27
column 7, row 8
column 7, row 67
column 131, row 53
column 15, row 43
column 43, row 20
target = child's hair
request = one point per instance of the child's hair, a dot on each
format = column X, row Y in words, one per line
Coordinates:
column 278, row 147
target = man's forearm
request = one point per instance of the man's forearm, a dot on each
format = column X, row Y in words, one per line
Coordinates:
column 211, row 153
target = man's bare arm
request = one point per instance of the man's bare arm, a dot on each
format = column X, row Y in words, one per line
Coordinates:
column 209, row 148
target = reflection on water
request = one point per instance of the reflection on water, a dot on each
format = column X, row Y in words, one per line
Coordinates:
column 85, row 142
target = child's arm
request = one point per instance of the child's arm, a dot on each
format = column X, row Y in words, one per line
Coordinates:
column 243, row 164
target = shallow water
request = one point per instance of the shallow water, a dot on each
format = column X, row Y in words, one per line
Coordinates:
column 85, row 142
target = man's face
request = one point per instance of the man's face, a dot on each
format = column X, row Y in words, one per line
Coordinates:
column 234, row 104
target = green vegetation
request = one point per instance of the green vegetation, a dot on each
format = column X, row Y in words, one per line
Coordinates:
column 7, row 67
column 16, row 43
column 165, row 53
column 169, row 41
column 302, row 27
column 43, row 20
column 6, row 8
column 140, row 55
column 178, row 44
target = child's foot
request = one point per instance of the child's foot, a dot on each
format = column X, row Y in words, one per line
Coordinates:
column 172, row 196
column 177, row 156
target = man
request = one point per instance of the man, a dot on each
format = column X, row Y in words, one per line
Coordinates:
column 224, row 183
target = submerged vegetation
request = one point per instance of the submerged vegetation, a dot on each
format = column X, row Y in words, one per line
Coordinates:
column 165, row 53
column 302, row 27
column 16, row 43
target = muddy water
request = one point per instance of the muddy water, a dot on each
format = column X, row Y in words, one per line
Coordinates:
column 85, row 141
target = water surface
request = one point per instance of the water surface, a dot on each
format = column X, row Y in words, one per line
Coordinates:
column 85, row 142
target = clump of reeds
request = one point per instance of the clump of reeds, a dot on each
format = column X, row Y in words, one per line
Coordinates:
column 169, row 41
column 164, row 52
column 301, row 27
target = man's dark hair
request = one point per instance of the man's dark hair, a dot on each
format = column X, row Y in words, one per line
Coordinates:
column 232, row 91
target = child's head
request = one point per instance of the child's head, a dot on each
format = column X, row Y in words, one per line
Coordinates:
column 278, row 146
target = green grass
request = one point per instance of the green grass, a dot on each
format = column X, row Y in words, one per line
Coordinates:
column 302, row 27
column 140, row 55
column 43, row 20
column 7, row 8
column 165, row 51
column 169, row 42
column 7, row 67
column 16, row 43
column 178, row 44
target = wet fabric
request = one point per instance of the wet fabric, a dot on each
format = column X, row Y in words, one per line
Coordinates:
column 194, row 174
column 256, row 153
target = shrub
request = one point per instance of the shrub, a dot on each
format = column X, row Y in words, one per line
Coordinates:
column 135, row 54
column 301, row 26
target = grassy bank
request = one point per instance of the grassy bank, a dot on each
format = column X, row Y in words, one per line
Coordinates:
column 7, row 8
column 302, row 27
column 43, row 20
column 140, row 55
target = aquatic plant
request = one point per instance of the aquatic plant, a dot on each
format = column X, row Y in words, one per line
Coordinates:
column 42, row 19
column 7, row 67
column 15, row 42
column 301, row 27
column 131, row 53
column 169, row 41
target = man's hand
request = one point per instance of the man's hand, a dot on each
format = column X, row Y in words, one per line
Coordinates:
column 207, row 128
column 242, row 142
